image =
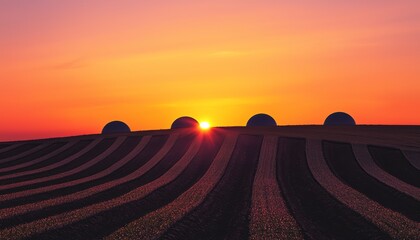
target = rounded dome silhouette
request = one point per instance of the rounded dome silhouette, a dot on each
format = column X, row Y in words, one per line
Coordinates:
column 339, row 119
column 116, row 127
column 261, row 120
column 184, row 122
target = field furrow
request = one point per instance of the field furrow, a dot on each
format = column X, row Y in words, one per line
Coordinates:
column 4, row 146
column 90, row 152
column 341, row 160
column 47, row 149
column 42, row 155
column 393, row 223
column 61, row 220
column 67, row 157
column 393, row 161
column 20, row 152
column 90, row 195
column 297, row 182
column 9, row 147
column 47, row 164
column 119, row 163
column 157, row 222
column 224, row 214
column 108, row 221
column 21, row 189
column 413, row 158
column 270, row 218
column 318, row 213
column 84, row 170
column 365, row 160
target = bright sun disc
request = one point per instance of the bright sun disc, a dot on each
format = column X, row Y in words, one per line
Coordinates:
column 204, row 125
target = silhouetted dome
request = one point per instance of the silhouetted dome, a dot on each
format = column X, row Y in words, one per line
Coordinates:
column 184, row 122
column 339, row 119
column 116, row 127
column 261, row 120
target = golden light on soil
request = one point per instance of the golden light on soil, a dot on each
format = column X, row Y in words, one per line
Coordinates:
column 204, row 125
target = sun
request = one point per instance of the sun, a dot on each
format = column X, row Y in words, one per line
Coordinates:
column 204, row 125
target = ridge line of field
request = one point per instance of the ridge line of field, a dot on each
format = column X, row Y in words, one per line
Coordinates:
column 82, row 167
column 393, row 223
column 270, row 218
column 21, row 209
column 413, row 157
column 106, row 222
column 57, row 164
column 140, row 146
column 222, row 215
column 318, row 213
column 365, row 160
column 343, row 163
column 155, row 223
column 393, row 161
column 39, row 226
column 10, row 147
column 24, row 153
column 35, row 160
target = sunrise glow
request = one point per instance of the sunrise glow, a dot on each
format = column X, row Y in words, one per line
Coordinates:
column 204, row 125
column 68, row 67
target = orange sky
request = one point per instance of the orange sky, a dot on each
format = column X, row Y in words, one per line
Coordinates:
column 69, row 67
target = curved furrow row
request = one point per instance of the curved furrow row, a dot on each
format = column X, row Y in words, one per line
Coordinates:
column 342, row 162
column 25, row 188
column 365, row 160
column 20, row 152
column 106, row 222
column 100, row 191
column 73, row 217
column 38, row 154
column 8, row 148
column 120, row 161
column 390, row 222
column 393, row 161
column 270, row 218
column 224, row 214
column 94, row 149
column 318, row 213
column 125, row 146
column 157, row 222
column 47, row 164
column 3, row 146
column 413, row 157
column 64, row 158
column 41, row 156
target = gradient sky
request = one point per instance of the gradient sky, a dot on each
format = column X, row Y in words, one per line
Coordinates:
column 69, row 67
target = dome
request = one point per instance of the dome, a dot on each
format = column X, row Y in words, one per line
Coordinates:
column 184, row 122
column 116, row 127
column 339, row 119
column 261, row 120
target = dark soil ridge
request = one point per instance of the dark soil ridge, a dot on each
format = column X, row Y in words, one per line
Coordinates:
column 395, row 163
column 95, row 151
column 106, row 162
column 41, row 152
column 18, row 150
column 224, row 214
column 343, row 163
column 104, row 223
column 3, row 146
column 144, row 156
column 319, row 214
column 79, row 146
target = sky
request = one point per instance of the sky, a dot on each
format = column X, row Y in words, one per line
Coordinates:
column 69, row 67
